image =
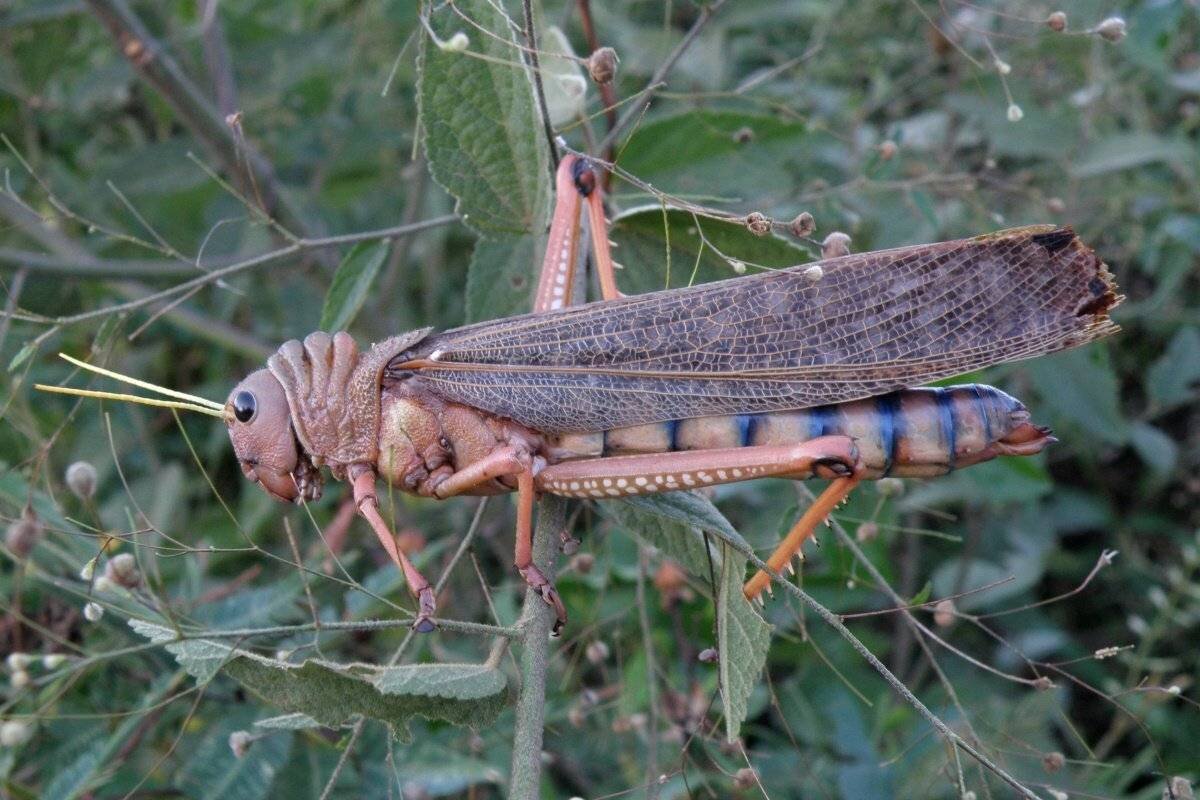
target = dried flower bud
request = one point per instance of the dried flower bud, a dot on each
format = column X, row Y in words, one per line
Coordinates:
column 1057, row 22
column 835, row 244
column 92, row 612
column 814, row 273
column 1178, row 788
column 234, row 120
column 1043, row 684
column 14, row 733
column 708, row 656
column 943, row 613
column 19, row 679
column 738, row 267
column 1175, row 689
column 456, row 43
column 757, row 223
column 1053, row 762
column 744, row 778
column 583, row 563
column 18, row 661
column 88, row 570
column 1015, row 114
column 23, row 533
column 1002, row 66
column 597, row 652
column 887, row 149
column 1055, row 205
column 803, row 225
column 122, row 569
column 602, row 65
column 867, row 532
column 81, row 478
column 1111, row 29
column 53, row 660
column 239, row 743
column 890, row 487
column 1105, row 652
column 743, row 134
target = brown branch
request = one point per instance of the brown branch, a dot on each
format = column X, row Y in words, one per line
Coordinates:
column 657, row 80
column 154, row 64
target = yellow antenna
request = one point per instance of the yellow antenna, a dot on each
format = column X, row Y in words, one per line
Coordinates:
column 191, row 401
column 131, row 398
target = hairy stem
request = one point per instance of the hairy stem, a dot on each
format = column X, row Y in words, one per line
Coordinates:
column 536, row 621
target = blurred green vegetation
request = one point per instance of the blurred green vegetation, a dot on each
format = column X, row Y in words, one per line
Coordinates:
column 887, row 120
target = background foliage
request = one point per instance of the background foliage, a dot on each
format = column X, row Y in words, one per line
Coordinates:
column 887, row 120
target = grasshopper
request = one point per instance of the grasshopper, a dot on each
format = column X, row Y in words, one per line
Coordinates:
column 792, row 373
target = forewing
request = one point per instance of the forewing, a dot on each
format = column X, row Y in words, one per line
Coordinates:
column 872, row 323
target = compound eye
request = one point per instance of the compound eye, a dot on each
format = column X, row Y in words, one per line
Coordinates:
column 244, row 406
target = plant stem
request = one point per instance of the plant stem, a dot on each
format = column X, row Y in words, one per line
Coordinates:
column 536, row 621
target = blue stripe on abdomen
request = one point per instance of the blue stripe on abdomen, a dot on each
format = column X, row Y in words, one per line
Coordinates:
column 746, row 424
column 672, row 427
column 820, row 421
column 891, row 426
column 945, row 404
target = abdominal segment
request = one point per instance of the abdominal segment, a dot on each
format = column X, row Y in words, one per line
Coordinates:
column 911, row 433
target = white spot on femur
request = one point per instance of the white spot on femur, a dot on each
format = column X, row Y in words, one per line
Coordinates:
column 640, row 480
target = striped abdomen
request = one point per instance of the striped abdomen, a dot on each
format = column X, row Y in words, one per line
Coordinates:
column 911, row 433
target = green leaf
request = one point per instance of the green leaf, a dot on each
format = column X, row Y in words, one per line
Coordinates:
column 1174, row 378
column 642, row 235
column 74, row 779
column 27, row 349
column 743, row 639
column 672, row 523
column 1125, row 151
column 332, row 694
column 1158, row 450
column 484, row 138
column 707, row 154
column 288, row 722
column 352, row 283
column 214, row 772
column 1081, row 387
column 501, row 278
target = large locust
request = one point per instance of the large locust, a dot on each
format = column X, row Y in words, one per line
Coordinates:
column 792, row 373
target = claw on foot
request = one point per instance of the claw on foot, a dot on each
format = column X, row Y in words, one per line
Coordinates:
column 542, row 585
column 426, row 606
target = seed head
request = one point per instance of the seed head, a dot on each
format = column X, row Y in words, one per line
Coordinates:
column 239, row 743
column 814, row 273
column 738, row 267
column 81, row 479
column 1015, row 114
column 602, row 65
column 88, row 570
column 890, row 487
column 576, row 716
column 744, row 778
column 23, row 533
column 1105, row 652
column 583, row 563
column 943, row 613
column 1057, row 22
column 1043, row 684
column 597, row 652
column 122, row 569
column 757, row 223
column 743, row 134
column 1112, row 29
column 456, row 43
column 887, row 149
column 1002, row 66
column 53, row 660
column 18, row 661
column 19, row 679
column 14, row 733
column 835, row 244
column 708, row 656
column 92, row 612
column 867, row 532
column 1053, row 762
column 803, row 225
column 1055, row 205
